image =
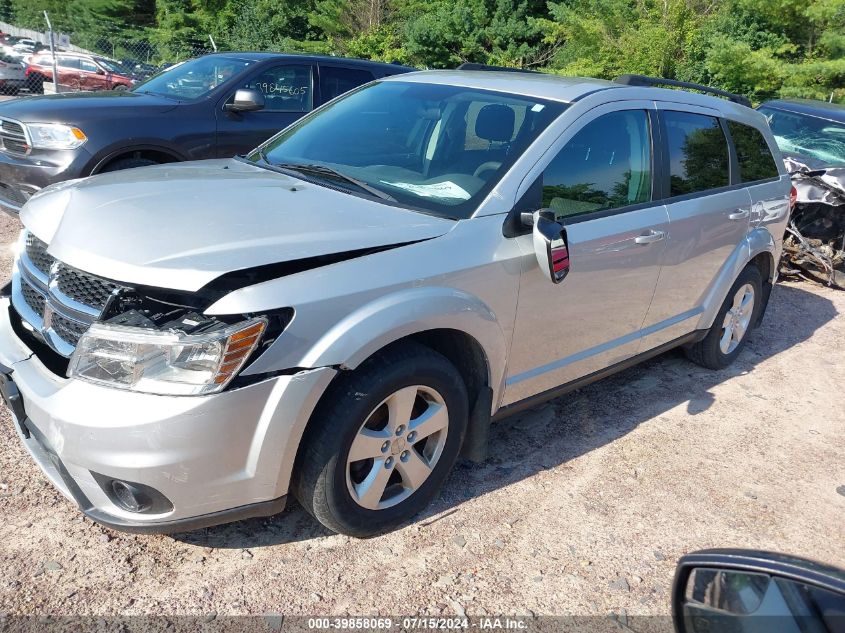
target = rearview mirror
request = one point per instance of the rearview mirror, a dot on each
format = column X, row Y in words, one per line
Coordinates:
column 746, row 591
column 550, row 244
column 245, row 100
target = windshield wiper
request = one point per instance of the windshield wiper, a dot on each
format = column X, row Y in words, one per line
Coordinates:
column 324, row 171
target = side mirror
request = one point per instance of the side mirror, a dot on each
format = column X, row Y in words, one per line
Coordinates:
column 100, row 71
column 245, row 100
column 550, row 244
column 749, row 591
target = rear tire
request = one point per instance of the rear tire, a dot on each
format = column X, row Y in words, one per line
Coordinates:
column 737, row 316
column 402, row 463
column 128, row 163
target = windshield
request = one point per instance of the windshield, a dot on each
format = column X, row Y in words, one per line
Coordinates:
column 193, row 79
column 806, row 135
column 436, row 148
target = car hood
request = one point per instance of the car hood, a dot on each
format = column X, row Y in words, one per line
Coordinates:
column 76, row 107
column 183, row 225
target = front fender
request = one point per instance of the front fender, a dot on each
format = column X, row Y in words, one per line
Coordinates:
column 389, row 318
column 758, row 240
column 386, row 319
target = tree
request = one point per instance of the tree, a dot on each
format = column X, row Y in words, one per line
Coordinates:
column 607, row 38
column 499, row 32
column 275, row 25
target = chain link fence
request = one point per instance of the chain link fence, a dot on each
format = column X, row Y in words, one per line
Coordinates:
column 100, row 58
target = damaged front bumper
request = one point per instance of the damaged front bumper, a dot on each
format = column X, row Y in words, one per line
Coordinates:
column 199, row 460
column 814, row 244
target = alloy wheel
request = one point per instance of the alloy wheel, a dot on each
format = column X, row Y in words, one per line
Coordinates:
column 737, row 319
column 397, row 447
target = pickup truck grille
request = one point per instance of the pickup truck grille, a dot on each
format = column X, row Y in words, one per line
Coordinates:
column 58, row 301
column 13, row 137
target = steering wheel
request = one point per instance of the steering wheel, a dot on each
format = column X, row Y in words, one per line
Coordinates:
column 489, row 165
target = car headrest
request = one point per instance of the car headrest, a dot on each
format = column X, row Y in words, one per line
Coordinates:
column 495, row 122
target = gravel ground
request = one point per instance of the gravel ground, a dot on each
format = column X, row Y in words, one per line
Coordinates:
column 583, row 508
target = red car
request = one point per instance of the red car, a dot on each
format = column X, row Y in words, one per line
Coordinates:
column 78, row 72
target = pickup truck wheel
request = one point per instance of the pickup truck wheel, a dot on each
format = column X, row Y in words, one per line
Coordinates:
column 128, row 163
column 382, row 441
column 729, row 332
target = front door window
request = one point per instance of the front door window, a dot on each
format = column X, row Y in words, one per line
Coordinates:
column 285, row 88
column 607, row 165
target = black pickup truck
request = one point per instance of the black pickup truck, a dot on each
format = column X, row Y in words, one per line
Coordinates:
column 213, row 106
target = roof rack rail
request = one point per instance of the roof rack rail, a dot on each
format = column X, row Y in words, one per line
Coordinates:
column 644, row 80
column 507, row 69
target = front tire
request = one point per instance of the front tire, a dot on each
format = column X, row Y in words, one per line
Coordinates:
column 382, row 441
column 735, row 319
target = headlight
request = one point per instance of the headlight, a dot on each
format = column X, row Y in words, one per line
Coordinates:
column 55, row 136
column 168, row 362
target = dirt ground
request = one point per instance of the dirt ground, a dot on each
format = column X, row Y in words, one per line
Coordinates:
column 583, row 508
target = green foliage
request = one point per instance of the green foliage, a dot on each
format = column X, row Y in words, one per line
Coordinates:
column 761, row 48
column 498, row 32
column 606, row 38
column 268, row 25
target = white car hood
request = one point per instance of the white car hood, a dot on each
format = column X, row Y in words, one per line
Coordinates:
column 182, row 225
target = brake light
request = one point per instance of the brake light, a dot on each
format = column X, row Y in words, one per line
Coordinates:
column 793, row 198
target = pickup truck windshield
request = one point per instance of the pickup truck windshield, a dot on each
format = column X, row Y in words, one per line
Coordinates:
column 807, row 135
column 193, row 79
column 432, row 147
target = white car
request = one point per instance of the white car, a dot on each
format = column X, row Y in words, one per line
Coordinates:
column 340, row 313
column 12, row 75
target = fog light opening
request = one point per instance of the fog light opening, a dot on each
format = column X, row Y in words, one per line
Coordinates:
column 130, row 497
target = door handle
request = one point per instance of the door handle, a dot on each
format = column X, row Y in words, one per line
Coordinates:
column 741, row 214
column 650, row 237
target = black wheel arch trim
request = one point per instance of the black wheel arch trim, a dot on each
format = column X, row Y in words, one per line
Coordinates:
column 103, row 158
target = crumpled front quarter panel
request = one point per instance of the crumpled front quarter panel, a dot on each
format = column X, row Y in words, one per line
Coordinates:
column 466, row 280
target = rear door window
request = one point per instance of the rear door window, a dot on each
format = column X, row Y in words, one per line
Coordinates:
column 68, row 62
column 698, row 153
column 334, row 81
column 606, row 165
column 752, row 151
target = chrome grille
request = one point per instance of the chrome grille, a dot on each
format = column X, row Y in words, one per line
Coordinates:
column 34, row 299
column 58, row 301
column 13, row 137
column 37, row 252
column 84, row 288
column 67, row 329
column 12, row 127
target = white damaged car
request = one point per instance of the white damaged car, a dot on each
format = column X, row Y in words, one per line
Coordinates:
column 341, row 313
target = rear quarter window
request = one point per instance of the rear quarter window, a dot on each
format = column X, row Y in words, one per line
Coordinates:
column 752, row 151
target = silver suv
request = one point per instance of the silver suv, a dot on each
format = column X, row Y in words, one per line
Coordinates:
column 341, row 313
